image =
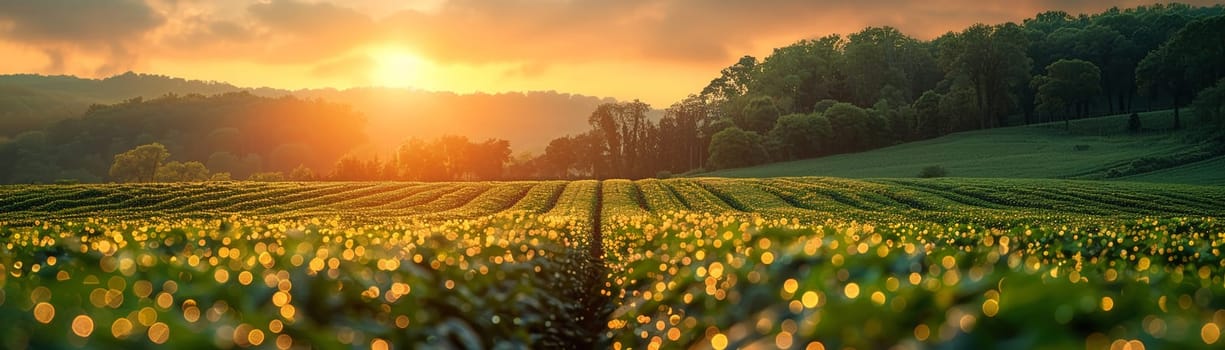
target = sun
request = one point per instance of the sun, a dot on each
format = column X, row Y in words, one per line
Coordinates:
column 395, row 67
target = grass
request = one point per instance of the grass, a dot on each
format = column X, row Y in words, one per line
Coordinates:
column 715, row 263
column 1206, row 172
column 1035, row 151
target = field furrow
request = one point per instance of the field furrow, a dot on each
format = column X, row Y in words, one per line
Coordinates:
column 698, row 199
column 677, row 263
column 541, row 198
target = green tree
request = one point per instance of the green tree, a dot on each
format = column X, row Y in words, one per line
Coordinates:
column 801, row 135
column 823, row 105
column 302, row 173
column 1164, row 70
column 139, row 164
column 1068, row 84
column 734, row 147
column 1209, row 104
column 853, row 128
column 928, row 121
column 759, row 116
column 1113, row 53
column 877, row 57
column 181, row 172
column 733, row 81
column 561, row 156
column 1202, row 45
column 27, row 158
column 957, row 111
column 1189, row 61
column 727, row 92
column 195, row 171
column 626, row 132
column 683, row 132
column 901, row 119
column 800, row 74
column 993, row 61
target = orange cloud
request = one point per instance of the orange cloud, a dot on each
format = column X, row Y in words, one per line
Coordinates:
column 663, row 49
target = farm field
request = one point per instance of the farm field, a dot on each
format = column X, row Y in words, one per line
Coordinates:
column 706, row 263
column 1011, row 152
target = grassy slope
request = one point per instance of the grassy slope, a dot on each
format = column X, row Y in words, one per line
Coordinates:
column 1037, row 151
column 1207, row 172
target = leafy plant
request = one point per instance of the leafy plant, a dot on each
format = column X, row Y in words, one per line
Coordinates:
column 933, row 171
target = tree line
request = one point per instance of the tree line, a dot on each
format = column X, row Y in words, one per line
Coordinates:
column 236, row 133
column 879, row 87
column 448, row 158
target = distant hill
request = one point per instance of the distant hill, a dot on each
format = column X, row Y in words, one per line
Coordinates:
column 528, row 120
column 1090, row 149
column 31, row 101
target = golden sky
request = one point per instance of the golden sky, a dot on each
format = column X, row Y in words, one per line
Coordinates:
column 654, row 50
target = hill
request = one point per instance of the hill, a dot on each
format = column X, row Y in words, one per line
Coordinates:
column 1088, row 149
column 528, row 120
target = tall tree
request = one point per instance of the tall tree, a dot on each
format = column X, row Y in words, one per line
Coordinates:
column 1068, row 84
column 734, row 147
column 1189, row 61
column 801, row 135
column 733, row 81
column 487, row 159
column 800, row 74
column 624, row 127
column 882, row 56
column 1164, row 70
column 992, row 59
column 1209, row 105
column 759, row 116
column 561, row 156
column 688, row 120
column 727, row 91
column 853, row 128
column 139, row 164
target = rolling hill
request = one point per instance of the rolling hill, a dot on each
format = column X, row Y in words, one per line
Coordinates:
column 1088, row 149
column 528, row 120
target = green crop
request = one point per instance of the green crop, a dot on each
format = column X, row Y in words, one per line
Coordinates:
column 802, row 263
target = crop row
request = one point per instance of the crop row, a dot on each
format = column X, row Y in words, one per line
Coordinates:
column 724, row 282
column 482, row 283
column 933, row 200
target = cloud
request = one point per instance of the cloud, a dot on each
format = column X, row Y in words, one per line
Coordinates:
column 61, row 28
column 527, row 70
column 680, row 31
column 82, row 22
column 580, row 31
column 344, row 67
column 300, row 31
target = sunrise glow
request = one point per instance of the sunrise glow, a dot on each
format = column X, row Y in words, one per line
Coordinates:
column 397, row 67
column 587, row 47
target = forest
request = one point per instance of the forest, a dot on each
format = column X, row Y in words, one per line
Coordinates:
column 829, row 95
column 880, row 87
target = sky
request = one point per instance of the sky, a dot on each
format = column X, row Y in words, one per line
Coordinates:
column 654, row 50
